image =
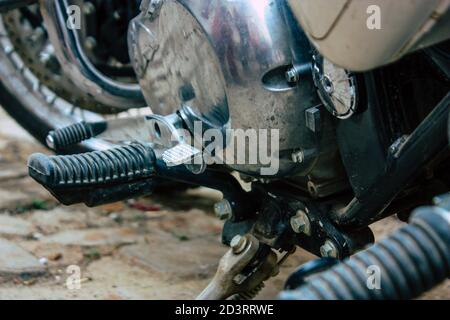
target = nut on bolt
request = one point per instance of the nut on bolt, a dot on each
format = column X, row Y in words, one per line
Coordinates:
column 151, row 7
column 294, row 74
column 300, row 223
column 223, row 209
column 88, row 8
column 329, row 249
column 238, row 244
column 442, row 201
column 298, row 156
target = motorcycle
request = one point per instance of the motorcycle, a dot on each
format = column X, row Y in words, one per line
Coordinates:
column 313, row 119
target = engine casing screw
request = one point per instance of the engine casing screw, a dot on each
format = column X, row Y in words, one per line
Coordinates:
column 223, row 209
column 298, row 156
column 292, row 75
column 300, row 223
column 88, row 8
column 329, row 249
column 90, row 43
column 238, row 244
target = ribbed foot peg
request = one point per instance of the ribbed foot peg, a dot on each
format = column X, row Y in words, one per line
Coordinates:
column 59, row 139
column 97, row 177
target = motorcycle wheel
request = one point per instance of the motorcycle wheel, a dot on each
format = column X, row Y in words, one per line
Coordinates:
column 26, row 95
column 38, row 98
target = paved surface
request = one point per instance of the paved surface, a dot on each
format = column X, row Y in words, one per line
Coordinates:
column 165, row 247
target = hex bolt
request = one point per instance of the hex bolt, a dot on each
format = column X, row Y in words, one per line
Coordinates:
column 238, row 244
column 329, row 249
column 413, row 260
column 88, row 8
column 300, row 223
column 292, row 75
column 151, row 7
column 298, row 156
column 313, row 119
column 90, row 43
column 442, row 201
column 223, row 209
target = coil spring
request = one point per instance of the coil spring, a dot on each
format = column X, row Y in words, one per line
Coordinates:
column 411, row 261
column 249, row 295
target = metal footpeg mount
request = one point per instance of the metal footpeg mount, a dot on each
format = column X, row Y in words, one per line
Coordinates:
column 409, row 262
column 97, row 177
column 114, row 130
column 164, row 133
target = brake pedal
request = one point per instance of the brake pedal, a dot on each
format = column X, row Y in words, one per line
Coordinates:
column 97, row 177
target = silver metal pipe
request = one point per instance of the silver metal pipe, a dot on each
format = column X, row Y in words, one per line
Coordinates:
column 76, row 64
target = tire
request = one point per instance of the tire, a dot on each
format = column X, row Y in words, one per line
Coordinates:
column 31, row 110
column 35, row 107
column 38, row 110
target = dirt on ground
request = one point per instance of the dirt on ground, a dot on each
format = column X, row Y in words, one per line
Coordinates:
column 160, row 247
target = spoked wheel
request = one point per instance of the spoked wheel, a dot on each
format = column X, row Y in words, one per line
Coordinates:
column 33, row 89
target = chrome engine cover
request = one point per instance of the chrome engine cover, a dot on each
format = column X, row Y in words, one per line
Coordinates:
column 226, row 60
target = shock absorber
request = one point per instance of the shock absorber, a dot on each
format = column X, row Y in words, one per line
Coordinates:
column 410, row 262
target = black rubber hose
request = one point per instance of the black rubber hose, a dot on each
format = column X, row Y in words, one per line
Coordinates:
column 411, row 261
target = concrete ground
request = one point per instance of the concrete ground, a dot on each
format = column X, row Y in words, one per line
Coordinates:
column 164, row 247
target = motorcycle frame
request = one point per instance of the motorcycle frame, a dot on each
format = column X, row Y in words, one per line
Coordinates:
column 392, row 167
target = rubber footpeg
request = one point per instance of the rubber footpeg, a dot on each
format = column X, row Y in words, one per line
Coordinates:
column 95, row 177
column 61, row 138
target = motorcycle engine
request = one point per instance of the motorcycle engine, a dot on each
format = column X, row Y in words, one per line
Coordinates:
column 226, row 62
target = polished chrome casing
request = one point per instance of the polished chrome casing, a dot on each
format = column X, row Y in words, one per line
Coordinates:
column 226, row 61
